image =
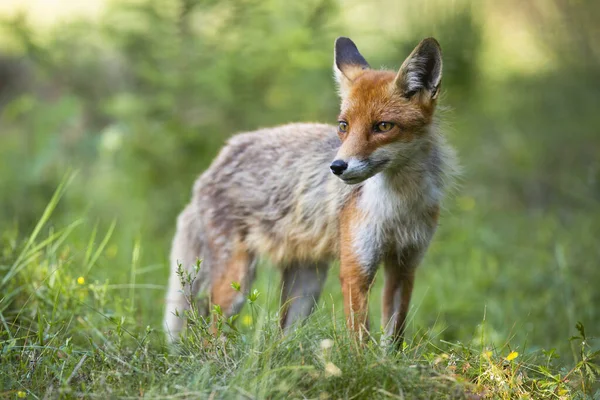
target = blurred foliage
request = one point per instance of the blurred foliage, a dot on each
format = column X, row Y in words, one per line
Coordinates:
column 140, row 101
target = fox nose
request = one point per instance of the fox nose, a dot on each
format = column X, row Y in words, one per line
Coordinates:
column 338, row 167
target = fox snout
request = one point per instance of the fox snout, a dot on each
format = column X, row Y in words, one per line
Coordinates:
column 353, row 171
column 338, row 167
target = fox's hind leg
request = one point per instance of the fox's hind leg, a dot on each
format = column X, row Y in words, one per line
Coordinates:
column 301, row 288
column 238, row 266
column 186, row 249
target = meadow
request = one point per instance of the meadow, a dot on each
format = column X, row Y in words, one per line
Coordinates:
column 105, row 124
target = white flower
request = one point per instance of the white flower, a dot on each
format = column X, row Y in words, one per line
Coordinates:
column 332, row 370
column 326, row 344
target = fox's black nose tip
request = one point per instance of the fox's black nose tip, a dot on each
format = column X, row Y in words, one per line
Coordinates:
column 338, row 167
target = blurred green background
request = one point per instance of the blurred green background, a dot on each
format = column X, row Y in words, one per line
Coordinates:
column 138, row 96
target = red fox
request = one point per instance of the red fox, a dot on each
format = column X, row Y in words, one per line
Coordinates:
column 365, row 192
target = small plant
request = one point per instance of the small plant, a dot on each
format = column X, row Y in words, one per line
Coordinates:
column 587, row 366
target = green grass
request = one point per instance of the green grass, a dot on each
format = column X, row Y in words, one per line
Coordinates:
column 65, row 334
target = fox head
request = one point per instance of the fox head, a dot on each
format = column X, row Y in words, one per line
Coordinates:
column 384, row 115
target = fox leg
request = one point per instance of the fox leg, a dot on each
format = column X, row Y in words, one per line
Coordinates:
column 357, row 270
column 397, row 292
column 356, row 284
column 301, row 288
column 238, row 267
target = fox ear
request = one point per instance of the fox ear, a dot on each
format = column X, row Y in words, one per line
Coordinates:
column 421, row 72
column 348, row 64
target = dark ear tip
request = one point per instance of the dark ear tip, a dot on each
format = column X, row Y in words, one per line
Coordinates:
column 346, row 53
column 343, row 41
column 430, row 43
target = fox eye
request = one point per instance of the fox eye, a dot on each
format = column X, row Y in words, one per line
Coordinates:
column 343, row 126
column 383, row 127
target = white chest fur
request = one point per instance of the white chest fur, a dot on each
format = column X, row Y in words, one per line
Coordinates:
column 394, row 210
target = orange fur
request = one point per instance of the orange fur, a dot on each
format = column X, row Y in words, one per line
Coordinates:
column 399, row 278
column 236, row 270
column 354, row 281
column 373, row 98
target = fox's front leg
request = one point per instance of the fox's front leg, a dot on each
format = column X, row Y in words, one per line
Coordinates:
column 356, row 272
column 355, row 288
column 397, row 291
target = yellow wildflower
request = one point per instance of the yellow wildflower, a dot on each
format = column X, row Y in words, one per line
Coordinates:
column 21, row 394
column 81, row 280
column 512, row 356
column 247, row 320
